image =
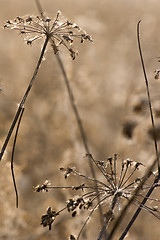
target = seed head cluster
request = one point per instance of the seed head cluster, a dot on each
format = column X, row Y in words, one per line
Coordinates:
column 119, row 183
column 60, row 31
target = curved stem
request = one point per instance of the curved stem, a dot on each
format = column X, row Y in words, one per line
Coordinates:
column 148, row 94
column 150, row 169
column 12, row 158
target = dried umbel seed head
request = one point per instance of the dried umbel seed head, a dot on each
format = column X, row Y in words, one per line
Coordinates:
column 60, row 31
column 119, row 183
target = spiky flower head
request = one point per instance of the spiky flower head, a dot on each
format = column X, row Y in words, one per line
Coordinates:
column 60, row 31
column 119, row 183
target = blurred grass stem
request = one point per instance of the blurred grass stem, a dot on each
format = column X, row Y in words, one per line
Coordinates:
column 79, row 123
column 75, row 110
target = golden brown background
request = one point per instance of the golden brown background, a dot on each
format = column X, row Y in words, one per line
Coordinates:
column 108, row 83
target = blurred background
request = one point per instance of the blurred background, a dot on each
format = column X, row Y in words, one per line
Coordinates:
column 109, row 89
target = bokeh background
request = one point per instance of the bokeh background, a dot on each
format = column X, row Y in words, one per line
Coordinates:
column 109, row 89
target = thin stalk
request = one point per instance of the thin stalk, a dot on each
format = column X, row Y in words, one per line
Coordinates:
column 89, row 216
column 12, row 158
column 148, row 94
column 157, row 160
column 108, row 217
column 115, row 170
column 123, row 183
column 123, row 176
column 39, row 8
column 79, row 234
column 75, row 110
column 73, row 104
column 155, row 142
column 120, row 178
column 18, row 112
column 78, row 119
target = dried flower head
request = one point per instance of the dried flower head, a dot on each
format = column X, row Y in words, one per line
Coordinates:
column 60, row 31
column 48, row 219
column 42, row 187
column 120, row 183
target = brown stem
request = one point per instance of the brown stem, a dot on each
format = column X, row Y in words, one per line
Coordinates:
column 18, row 112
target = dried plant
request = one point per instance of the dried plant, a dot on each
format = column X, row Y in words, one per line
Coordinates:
column 55, row 31
column 120, row 184
column 142, row 204
column 58, row 32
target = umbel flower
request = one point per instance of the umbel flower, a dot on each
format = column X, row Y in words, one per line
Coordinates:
column 120, row 183
column 60, row 31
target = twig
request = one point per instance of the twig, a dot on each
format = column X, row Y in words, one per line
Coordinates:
column 12, row 158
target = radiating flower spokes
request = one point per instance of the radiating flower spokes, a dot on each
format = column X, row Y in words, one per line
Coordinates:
column 120, row 183
column 60, row 31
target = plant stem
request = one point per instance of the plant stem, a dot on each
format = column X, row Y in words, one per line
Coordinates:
column 23, row 99
column 73, row 104
column 75, row 110
column 148, row 95
column 107, row 218
column 155, row 142
column 12, row 158
column 80, row 125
